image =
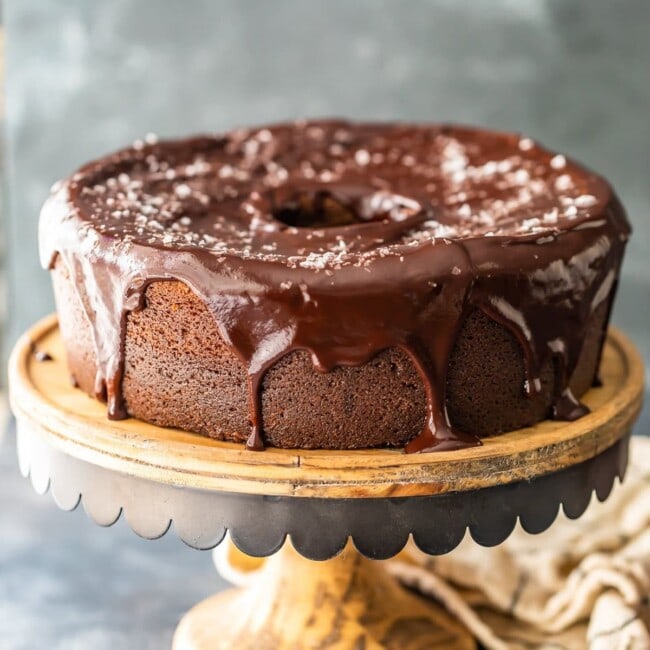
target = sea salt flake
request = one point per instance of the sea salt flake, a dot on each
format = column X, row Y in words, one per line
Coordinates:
column 524, row 195
column 504, row 166
column 586, row 201
column 465, row 211
column 537, row 186
column 521, row 176
column 183, row 191
column 526, row 144
column 485, row 218
column 362, row 157
column 563, row 183
column 489, row 168
column 251, row 147
column 558, row 162
column 225, row 171
column 530, row 224
column 550, row 217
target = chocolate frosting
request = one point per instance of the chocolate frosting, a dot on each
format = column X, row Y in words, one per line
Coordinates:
column 344, row 239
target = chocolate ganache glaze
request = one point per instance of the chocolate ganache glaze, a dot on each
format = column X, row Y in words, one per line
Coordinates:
column 345, row 239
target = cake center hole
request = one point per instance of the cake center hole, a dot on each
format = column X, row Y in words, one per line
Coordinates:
column 318, row 209
column 333, row 208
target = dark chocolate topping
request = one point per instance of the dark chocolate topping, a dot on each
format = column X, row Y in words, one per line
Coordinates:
column 345, row 239
column 40, row 355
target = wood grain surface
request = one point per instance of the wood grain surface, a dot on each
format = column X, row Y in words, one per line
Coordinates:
column 42, row 397
column 347, row 603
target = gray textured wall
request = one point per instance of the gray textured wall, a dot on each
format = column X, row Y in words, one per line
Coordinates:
column 85, row 77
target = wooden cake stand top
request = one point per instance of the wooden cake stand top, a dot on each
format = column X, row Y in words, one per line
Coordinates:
column 42, row 396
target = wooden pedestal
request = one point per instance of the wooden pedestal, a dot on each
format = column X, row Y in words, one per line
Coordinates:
column 344, row 603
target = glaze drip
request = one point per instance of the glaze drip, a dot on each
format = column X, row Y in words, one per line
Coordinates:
column 344, row 240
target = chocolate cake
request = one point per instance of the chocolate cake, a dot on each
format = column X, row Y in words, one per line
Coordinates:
column 336, row 285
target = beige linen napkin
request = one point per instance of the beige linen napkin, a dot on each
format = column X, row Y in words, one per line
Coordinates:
column 581, row 584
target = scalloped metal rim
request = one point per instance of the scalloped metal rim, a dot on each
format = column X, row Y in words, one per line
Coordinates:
column 319, row 527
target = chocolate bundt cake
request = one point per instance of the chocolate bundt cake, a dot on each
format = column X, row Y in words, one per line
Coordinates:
column 336, row 285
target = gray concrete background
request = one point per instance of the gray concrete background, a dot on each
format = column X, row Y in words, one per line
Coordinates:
column 86, row 77
column 67, row 584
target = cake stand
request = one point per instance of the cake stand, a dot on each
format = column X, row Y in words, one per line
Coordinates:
column 344, row 508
